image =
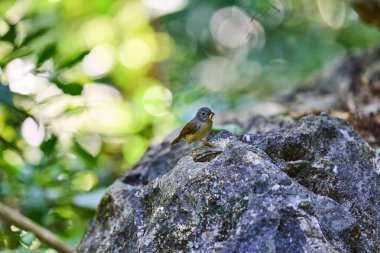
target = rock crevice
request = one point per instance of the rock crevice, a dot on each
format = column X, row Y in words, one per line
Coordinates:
column 307, row 186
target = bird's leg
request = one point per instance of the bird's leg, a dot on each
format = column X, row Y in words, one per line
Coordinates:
column 189, row 144
column 190, row 151
column 206, row 143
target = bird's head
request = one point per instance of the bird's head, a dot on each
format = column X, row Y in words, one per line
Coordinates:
column 204, row 113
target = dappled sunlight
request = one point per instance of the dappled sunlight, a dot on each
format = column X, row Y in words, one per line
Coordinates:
column 107, row 120
column 93, row 116
column 86, row 87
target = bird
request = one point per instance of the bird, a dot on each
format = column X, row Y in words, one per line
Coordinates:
column 197, row 128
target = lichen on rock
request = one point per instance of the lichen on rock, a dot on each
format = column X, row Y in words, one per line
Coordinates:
column 306, row 186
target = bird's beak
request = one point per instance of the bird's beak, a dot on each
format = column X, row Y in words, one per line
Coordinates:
column 211, row 115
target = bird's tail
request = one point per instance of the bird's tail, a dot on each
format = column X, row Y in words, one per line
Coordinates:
column 176, row 140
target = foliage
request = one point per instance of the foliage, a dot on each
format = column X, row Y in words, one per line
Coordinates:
column 87, row 85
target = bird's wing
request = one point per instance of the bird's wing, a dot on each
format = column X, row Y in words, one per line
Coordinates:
column 190, row 128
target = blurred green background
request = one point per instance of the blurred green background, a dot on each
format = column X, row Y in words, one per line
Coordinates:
column 86, row 86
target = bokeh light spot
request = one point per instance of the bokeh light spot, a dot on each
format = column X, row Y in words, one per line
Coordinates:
column 163, row 7
column 4, row 27
column 98, row 30
column 157, row 100
column 84, row 181
column 99, row 94
column 275, row 14
column 165, row 45
column 91, row 143
column 21, row 78
column 5, row 48
column 33, row 155
column 135, row 53
column 333, row 12
column 232, row 27
column 132, row 17
column 99, row 61
column 32, row 132
column 214, row 73
column 64, row 211
column 18, row 10
column 13, row 158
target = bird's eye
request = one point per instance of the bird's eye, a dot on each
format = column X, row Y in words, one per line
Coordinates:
column 203, row 113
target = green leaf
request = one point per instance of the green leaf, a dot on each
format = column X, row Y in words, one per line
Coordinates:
column 49, row 146
column 11, row 238
column 34, row 202
column 38, row 33
column 18, row 53
column 71, row 89
column 83, row 153
column 45, row 54
column 71, row 62
column 11, row 34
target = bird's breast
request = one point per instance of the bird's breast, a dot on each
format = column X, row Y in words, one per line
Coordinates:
column 203, row 131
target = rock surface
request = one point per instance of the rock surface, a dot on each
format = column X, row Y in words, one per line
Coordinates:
column 305, row 186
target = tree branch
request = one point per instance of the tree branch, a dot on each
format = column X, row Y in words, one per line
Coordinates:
column 11, row 216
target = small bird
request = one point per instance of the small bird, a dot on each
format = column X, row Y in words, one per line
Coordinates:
column 197, row 128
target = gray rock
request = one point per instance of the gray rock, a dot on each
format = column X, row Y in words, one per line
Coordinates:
column 308, row 186
column 327, row 157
